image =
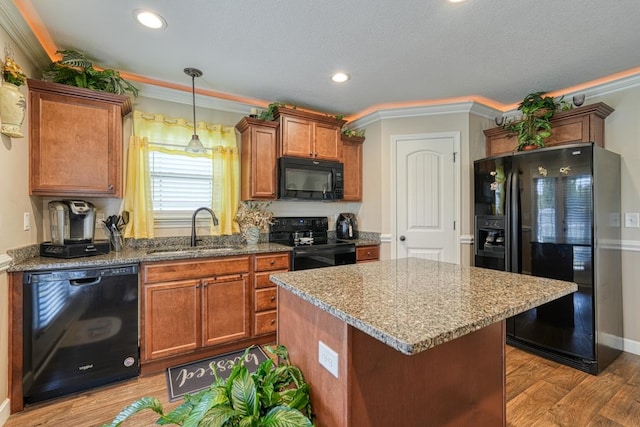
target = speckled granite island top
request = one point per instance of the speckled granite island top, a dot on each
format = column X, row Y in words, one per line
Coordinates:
column 413, row 304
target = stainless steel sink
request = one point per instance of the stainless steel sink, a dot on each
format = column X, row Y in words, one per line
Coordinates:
column 193, row 249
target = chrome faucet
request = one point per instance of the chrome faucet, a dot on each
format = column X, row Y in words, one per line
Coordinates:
column 193, row 223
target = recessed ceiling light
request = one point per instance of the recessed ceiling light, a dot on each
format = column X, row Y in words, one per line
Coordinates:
column 340, row 77
column 456, row 1
column 150, row 19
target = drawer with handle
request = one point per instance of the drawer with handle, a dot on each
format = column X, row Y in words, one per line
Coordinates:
column 265, row 322
column 266, row 299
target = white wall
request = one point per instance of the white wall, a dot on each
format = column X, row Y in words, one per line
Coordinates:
column 14, row 201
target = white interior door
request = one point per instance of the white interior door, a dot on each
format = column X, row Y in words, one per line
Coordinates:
column 426, row 196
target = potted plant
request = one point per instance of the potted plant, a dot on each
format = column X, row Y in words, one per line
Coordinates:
column 273, row 396
column 535, row 124
column 252, row 217
column 12, row 102
column 74, row 69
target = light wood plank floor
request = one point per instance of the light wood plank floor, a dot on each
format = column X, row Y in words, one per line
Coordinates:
column 539, row 393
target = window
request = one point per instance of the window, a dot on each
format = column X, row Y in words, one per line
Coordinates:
column 179, row 182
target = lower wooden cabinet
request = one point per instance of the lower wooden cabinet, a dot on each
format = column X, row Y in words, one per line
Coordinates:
column 226, row 313
column 209, row 305
column 265, row 291
column 368, row 253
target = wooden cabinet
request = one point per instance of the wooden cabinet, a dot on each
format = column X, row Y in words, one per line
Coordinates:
column 258, row 158
column 75, row 141
column 191, row 304
column 367, row 253
column 582, row 124
column 265, row 292
column 308, row 135
column 352, row 160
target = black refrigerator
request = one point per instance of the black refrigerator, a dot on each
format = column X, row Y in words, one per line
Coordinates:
column 555, row 212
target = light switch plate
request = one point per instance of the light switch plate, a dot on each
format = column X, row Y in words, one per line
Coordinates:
column 328, row 358
column 26, row 221
column 632, row 219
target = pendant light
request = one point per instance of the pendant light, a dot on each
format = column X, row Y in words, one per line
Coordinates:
column 195, row 145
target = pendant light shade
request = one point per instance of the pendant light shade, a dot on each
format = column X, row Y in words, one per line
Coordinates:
column 195, row 145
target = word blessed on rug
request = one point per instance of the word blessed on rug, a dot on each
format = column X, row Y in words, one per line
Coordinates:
column 195, row 376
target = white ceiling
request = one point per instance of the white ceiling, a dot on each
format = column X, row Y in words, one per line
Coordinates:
column 395, row 51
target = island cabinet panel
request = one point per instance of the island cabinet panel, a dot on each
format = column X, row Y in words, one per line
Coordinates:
column 352, row 160
column 265, row 296
column 368, row 253
column 458, row 383
column 258, row 139
column 75, row 144
column 308, row 135
column 582, row 124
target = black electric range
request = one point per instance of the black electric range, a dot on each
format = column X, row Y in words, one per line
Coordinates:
column 312, row 247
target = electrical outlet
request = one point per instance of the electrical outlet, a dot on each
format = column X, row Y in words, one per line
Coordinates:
column 328, row 358
column 26, row 221
column 632, row 219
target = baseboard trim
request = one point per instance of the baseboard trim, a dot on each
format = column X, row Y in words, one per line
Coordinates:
column 5, row 411
column 631, row 346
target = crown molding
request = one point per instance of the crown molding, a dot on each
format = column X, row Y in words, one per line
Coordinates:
column 19, row 31
column 470, row 107
column 183, row 97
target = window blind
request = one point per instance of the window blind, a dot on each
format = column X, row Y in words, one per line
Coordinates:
column 179, row 182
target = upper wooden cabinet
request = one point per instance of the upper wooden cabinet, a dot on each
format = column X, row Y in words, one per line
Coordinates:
column 352, row 159
column 582, row 124
column 308, row 135
column 258, row 158
column 75, row 140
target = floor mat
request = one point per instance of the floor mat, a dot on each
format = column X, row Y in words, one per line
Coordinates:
column 195, row 376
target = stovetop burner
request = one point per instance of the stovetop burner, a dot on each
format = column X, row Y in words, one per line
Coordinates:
column 302, row 232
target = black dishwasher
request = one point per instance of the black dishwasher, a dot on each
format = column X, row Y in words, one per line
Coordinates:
column 80, row 329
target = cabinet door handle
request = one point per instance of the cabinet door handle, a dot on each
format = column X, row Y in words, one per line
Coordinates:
column 110, row 187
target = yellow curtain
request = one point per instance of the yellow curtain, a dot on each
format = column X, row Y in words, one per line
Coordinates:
column 137, row 199
column 221, row 145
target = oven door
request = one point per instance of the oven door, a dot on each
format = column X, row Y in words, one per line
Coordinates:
column 307, row 257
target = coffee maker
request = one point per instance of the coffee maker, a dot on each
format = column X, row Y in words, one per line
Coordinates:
column 73, row 223
column 347, row 226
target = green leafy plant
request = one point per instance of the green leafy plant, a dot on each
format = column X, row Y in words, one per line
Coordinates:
column 11, row 72
column 269, row 113
column 273, row 396
column 535, row 125
column 74, row 69
column 353, row 132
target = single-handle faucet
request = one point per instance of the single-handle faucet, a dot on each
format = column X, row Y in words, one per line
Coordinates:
column 193, row 223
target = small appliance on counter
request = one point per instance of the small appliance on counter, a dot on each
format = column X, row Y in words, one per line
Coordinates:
column 73, row 223
column 347, row 226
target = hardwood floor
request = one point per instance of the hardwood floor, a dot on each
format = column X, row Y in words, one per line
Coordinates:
column 539, row 393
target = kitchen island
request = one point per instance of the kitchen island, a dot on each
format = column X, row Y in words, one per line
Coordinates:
column 410, row 342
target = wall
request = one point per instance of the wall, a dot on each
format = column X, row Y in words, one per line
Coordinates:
column 14, row 201
column 622, row 135
column 376, row 210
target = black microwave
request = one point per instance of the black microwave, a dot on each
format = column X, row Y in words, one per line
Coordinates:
column 309, row 179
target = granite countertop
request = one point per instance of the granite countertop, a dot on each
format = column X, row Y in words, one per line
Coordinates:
column 145, row 254
column 413, row 304
column 159, row 249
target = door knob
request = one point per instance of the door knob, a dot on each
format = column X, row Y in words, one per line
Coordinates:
column 402, row 238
